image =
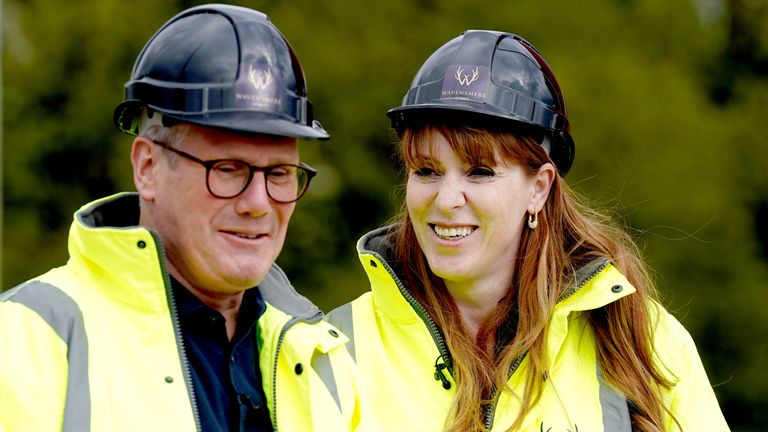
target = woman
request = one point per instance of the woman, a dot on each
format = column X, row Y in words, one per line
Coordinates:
column 498, row 301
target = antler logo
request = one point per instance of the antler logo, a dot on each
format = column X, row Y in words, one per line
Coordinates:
column 464, row 79
column 259, row 80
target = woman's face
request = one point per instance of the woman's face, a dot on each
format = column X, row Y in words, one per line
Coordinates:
column 468, row 218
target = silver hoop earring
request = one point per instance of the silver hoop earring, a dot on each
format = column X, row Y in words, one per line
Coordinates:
column 533, row 220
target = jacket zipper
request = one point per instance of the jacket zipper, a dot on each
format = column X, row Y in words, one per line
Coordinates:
column 177, row 331
column 280, row 339
column 489, row 411
column 442, row 347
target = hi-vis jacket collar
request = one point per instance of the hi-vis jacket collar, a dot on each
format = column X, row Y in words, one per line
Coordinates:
column 117, row 217
column 587, row 292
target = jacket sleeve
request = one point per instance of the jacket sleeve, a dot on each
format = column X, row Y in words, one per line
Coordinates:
column 33, row 376
column 691, row 400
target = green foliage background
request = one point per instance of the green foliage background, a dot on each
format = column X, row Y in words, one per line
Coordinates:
column 667, row 100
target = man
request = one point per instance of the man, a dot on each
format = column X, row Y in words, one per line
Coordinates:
column 170, row 314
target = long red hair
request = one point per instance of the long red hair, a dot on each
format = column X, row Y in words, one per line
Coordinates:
column 569, row 235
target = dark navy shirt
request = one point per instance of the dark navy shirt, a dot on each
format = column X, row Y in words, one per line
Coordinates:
column 225, row 374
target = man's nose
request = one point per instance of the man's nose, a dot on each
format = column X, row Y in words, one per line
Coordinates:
column 254, row 201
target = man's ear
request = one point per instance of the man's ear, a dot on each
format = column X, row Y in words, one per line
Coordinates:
column 542, row 182
column 144, row 157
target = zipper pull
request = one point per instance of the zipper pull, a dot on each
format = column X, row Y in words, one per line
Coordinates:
column 440, row 375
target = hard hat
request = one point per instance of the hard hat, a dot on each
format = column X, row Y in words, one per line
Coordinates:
column 221, row 66
column 492, row 76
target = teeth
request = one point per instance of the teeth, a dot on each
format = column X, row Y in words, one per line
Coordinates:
column 448, row 233
column 248, row 236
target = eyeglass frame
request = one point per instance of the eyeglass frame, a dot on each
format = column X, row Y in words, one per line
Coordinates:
column 208, row 165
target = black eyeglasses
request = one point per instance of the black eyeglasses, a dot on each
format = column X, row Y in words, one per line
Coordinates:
column 228, row 178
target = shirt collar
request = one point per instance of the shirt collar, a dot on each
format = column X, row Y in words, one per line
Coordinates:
column 187, row 304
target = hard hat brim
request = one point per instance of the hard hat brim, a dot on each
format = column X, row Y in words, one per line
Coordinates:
column 127, row 114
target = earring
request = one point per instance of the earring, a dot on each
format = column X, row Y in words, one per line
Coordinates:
column 533, row 220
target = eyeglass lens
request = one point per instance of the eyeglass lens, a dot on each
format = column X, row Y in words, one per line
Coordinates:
column 284, row 183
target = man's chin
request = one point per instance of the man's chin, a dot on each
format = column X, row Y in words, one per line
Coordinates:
column 248, row 281
column 246, row 272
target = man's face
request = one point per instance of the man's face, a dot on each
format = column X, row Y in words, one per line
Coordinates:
column 214, row 245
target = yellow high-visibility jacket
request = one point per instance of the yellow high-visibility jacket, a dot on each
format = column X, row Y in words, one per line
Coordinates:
column 402, row 358
column 95, row 345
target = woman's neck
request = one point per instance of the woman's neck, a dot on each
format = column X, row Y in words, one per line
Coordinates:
column 477, row 299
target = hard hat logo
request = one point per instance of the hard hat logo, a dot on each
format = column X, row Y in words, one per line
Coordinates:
column 466, row 82
column 258, row 87
column 260, row 80
column 464, row 79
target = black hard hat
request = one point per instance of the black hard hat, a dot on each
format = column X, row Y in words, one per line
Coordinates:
column 221, row 66
column 493, row 76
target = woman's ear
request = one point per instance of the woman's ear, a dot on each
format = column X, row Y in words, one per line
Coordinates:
column 145, row 173
column 542, row 182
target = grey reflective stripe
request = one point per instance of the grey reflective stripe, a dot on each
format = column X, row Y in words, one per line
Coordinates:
column 615, row 408
column 341, row 318
column 321, row 364
column 65, row 318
